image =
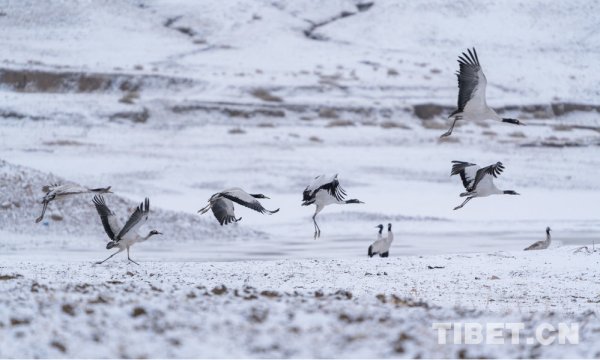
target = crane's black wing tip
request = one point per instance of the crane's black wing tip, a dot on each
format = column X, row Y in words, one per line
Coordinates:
column 469, row 58
column 98, row 200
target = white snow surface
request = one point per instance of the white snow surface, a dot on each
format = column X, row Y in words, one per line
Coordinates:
column 294, row 308
column 393, row 52
column 177, row 100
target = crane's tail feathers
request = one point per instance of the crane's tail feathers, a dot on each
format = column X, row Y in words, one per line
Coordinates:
column 228, row 220
column 370, row 251
column 111, row 245
column 466, row 194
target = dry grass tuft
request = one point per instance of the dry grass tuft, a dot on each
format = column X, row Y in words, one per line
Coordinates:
column 328, row 113
column 236, row 131
column 129, row 97
column 517, row 135
column 393, row 125
column 265, row 95
column 340, row 123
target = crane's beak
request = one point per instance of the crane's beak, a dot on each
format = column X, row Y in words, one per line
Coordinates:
column 266, row 197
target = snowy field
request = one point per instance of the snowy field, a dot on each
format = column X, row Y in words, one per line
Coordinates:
column 294, row 308
column 178, row 100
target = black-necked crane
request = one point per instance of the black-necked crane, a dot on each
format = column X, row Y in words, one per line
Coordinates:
column 479, row 182
column 56, row 192
column 382, row 245
column 542, row 244
column 323, row 191
column 472, row 105
column 221, row 204
column 123, row 237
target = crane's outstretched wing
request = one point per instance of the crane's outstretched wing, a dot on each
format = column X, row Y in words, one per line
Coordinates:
column 109, row 220
column 493, row 170
column 471, row 83
column 223, row 210
column 322, row 182
column 241, row 197
column 334, row 189
column 467, row 172
column 309, row 193
column 137, row 219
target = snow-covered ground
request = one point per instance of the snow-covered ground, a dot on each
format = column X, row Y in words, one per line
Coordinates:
column 178, row 100
column 295, row 308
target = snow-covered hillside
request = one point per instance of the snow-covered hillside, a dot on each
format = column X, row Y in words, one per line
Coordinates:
column 390, row 52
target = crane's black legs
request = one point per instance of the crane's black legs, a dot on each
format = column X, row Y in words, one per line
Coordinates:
column 317, row 229
column 464, row 202
column 120, row 250
column 43, row 212
column 100, row 262
column 447, row 133
column 128, row 258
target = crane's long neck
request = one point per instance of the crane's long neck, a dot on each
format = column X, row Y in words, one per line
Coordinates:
column 548, row 237
column 144, row 238
column 510, row 121
column 352, row 201
column 390, row 237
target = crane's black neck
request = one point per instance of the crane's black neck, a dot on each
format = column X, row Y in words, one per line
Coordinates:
column 353, row 201
column 511, row 121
